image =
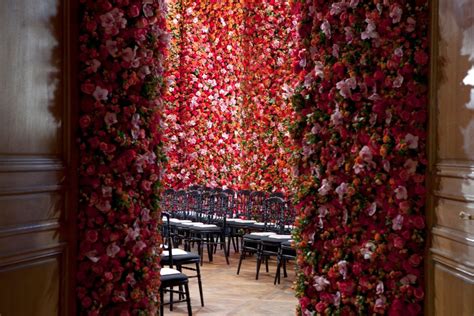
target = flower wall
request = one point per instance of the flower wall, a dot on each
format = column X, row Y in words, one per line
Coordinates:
column 268, row 39
column 361, row 111
column 122, row 48
column 221, row 127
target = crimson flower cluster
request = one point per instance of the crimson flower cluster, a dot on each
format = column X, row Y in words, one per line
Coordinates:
column 122, row 49
column 361, row 111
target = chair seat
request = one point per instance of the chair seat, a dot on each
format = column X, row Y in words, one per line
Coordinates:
column 205, row 228
column 178, row 259
column 171, row 276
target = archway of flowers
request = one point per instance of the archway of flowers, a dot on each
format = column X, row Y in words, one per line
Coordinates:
column 358, row 124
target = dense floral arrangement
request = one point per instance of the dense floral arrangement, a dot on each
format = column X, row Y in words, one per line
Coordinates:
column 204, row 93
column 227, row 111
column 361, row 127
column 122, row 47
column 268, row 41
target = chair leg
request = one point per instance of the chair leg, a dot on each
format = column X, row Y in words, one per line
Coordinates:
column 161, row 301
column 284, row 268
column 198, row 271
column 259, row 262
column 188, row 299
column 266, row 264
column 277, row 273
column 240, row 261
column 226, row 250
column 171, row 299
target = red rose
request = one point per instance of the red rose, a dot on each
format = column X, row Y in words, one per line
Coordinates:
column 92, row 236
column 133, row 11
column 320, row 307
column 398, row 242
column 414, row 309
column 87, row 88
column 415, row 260
column 84, row 121
column 419, row 293
column 346, row 287
column 397, row 308
column 421, row 57
column 304, row 302
column 418, row 222
column 86, row 302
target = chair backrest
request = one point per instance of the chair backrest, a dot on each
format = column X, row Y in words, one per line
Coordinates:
column 181, row 204
column 256, row 205
column 205, row 209
column 243, row 204
column 194, row 204
column 231, row 196
column 220, row 208
column 277, row 194
column 168, row 200
column 166, row 236
column 274, row 210
column 194, row 187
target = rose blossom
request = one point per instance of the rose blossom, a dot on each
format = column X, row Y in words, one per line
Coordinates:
column 100, row 94
column 320, row 283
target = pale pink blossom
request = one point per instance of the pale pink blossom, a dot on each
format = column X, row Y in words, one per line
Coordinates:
column 112, row 250
column 411, row 165
column 100, row 94
column 397, row 222
column 372, row 208
column 366, row 154
column 370, row 31
column 320, row 283
column 110, row 118
column 325, row 187
column 342, row 266
column 401, row 193
column 412, row 141
column 326, row 28
column 342, row 189
column 396, row 13
column 379, row 289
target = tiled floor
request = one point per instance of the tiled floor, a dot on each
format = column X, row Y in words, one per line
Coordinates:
column 226, row 293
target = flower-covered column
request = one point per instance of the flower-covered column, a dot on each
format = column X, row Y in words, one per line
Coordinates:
column 268, row 42
column 361, row 127
column 122, row 48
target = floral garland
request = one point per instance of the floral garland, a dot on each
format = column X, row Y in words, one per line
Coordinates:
column 269, row 35
column 361, row 127
column 122, row 47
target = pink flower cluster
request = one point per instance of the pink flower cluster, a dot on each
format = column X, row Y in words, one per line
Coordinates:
column 361, row 111
column 122, row 49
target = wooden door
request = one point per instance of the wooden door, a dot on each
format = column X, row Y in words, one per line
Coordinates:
column 36, row 161
column 451, row 260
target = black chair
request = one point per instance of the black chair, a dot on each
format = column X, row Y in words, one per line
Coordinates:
column 263, row 244
column 212, row 232
column 287, row 252
column 241, row 214
column 171, row 278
